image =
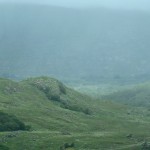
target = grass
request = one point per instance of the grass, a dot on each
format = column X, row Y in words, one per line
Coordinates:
column 84, row 141
column 52, row 125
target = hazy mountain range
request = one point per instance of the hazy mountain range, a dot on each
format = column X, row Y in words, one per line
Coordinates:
column 72, row 42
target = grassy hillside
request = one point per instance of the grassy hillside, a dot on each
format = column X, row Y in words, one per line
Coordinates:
column 61, row 117
column 136, row 96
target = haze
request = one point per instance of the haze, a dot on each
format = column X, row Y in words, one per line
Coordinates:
column 98, row 43
column 119, row 4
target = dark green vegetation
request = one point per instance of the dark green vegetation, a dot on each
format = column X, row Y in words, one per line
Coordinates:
column 97, row 45
column 60, row 117
column 2, row 147
column 10, row 123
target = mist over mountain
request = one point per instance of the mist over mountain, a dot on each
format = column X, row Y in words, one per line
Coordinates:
column 100, row 50
column 143, row 5
column 73, row 43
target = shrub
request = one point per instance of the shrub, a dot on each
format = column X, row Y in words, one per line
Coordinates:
column 67, row 145
column 2, row 147
column 77, row 108
column 62, row 88
column 87, row 111
column 10, row 123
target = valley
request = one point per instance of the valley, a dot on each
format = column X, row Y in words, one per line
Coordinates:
column 74, row 76
column 58, row 115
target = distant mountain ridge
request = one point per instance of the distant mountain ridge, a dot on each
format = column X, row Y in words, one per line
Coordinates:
column 138, row 96
column 73, row 43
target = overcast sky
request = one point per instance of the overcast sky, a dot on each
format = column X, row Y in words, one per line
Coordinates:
column 126, row 4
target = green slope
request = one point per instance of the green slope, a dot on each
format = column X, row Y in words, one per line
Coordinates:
column 136, row 96
column 59, row 115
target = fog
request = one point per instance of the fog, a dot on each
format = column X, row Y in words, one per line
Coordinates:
column 101, row 48
column 116, row 4
column 108, row 41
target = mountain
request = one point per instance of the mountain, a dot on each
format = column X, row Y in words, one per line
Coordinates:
column 58, row 117
column 88, row 44
column 138, row 96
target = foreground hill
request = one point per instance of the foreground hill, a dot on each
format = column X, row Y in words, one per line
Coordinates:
column 60, row 117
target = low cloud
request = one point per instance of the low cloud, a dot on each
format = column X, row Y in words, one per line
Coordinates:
column 119, row 4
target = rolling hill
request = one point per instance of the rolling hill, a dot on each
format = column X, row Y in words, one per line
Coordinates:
column 60, row 117
column 138, row 96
